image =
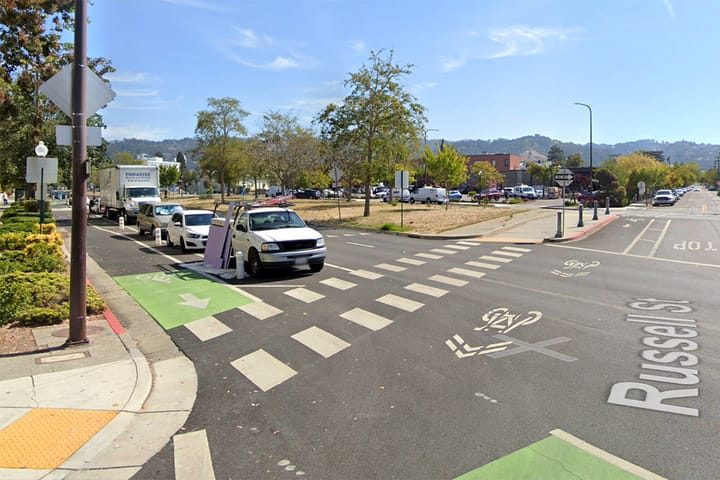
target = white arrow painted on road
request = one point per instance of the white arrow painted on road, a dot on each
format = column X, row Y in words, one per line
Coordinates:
column 192, row 301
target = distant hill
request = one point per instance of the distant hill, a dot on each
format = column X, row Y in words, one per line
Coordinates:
column 533, row 147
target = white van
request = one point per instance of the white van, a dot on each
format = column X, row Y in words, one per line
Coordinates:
column 428, row 195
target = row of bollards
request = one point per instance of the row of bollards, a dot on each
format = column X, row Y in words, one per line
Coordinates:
column 559, row 233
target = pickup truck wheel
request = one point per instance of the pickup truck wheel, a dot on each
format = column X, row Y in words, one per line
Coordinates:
column 316, row 267
column 183, row 248
column 141, row 232
column 428, row 201
column 412, row 200
column 169, row 242
column 255, row 266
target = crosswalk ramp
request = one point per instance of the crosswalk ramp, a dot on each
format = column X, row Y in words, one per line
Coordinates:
column 267, row 369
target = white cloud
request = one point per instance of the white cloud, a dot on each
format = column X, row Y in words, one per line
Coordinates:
column 120, row 132
column 248, row 38
column 418, row 88
column 358, row 46
column 669, row 8
column 136, row 93
column 129, row 77
column 448, row 64
column 523, row 41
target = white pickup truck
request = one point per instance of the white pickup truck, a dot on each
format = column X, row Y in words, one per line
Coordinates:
column 273, row 237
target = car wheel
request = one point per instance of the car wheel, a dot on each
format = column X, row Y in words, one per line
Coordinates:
column 169, row 242
column 183, row 247
column 254, row 264
column 141, row 232
column 412, row 200
column 316, row 267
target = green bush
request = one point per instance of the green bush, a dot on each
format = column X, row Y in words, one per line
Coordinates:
column 35, row 257
column 40, row 299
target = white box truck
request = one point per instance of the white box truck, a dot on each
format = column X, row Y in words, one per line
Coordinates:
column 123, row 188
column 428, row 195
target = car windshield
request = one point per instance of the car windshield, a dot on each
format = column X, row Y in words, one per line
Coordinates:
column 167, row 209
column 198, row 219
column 663, row 192
column 275, row 220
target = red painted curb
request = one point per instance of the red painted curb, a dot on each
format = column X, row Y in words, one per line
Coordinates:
column 113, row 321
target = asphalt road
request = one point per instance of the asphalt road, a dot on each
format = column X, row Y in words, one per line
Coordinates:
column 381, row 366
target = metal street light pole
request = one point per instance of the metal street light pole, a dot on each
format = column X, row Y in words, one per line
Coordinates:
column 425, row 172
column 591, row 144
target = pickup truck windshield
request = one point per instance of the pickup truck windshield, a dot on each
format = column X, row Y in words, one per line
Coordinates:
column 274, row 220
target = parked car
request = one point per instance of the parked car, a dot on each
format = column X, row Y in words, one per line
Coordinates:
column 455, row 195
column 552, row 192
column 405, row 197
column 156, row 215
column 272, row 237
column 490, row 194
column 310, row 193
column 664, row 197
column 586, row 197
column 189, row 229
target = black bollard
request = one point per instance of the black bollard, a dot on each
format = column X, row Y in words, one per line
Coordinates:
column 607, row 205
column 595, row 205
column 580, row 219
column 559, row 232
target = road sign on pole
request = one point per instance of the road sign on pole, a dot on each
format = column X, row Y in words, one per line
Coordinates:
column 564, row 177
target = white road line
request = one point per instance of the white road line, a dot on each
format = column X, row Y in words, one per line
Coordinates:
column 444, row 251
column 400, row 302
column 263, row 369
column 455, row 282
column 429, row 255
column 639, row 236
column 260, row 310
column 472, row 244
column 338, row 283
column 144, row 245
column 457, row 247
column 410, row 261
column 208, row 328
column 426, row 289
column 489, row 266
column 304, row 295
column 366, row 319
column 660, row 239
column 467, row 273
column 495, row 259
column 518, row 249
column 390, row 267
column 507, row 254
column 605, row 456
column 320, row 341
column 360, row 244
column 658, row 259
column 366, row 274
column 192, row 456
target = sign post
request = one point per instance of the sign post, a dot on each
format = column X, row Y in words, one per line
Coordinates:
column 641, row 190
column 336, row 175
column 402, row 181
column 563, row 177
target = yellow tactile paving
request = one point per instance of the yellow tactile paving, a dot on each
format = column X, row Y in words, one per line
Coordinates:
column 45, row 437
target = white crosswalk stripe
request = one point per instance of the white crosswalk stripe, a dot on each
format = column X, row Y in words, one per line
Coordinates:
column 320, row 341
column 366, row 274
column 390, row 267
column 518, row 249
column 400, row 302
column 426, row 289
column 495, row 259
column 192, row 457
column 338, row 283
column 429, row 255
column 507, row 254
column 263, row 369
column 260, row 310
column 467, row 273
column 444, row 251
column 366, row 319
column 304, row 295
column 455, row 282
column 457, row 247
column 207, row 328
column 489, row 266
column 410, row 261
column 471, row 244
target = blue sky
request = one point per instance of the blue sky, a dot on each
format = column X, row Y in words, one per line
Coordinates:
column 483, row 69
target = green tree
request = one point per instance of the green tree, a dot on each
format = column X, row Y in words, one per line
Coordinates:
column 32, row 51
column 377, row 110
column 575, row 160
column 216, row 129
column 487, row 175
column 556, row 156
column 287, row 148
column 169, row 175
column 447, row 166
column 543, row 172
column 126, row 158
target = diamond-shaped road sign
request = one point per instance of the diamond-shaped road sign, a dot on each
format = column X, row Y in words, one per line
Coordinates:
column 59, row 90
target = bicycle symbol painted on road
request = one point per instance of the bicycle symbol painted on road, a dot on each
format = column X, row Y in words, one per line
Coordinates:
column 499, row 321
column 576, row 268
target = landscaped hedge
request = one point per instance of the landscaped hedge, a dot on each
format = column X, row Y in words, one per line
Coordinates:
column 40, row 299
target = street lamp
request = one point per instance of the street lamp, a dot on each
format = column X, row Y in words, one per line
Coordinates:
column 591, row 161
column 425, row 173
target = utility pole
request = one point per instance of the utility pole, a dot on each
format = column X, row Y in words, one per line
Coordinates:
column 80, row 174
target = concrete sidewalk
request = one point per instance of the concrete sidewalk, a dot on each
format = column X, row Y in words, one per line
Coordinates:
column 97, row 410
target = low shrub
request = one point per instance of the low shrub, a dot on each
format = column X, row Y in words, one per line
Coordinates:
column 32, row 299
column 392, row 227
column 34, row 257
